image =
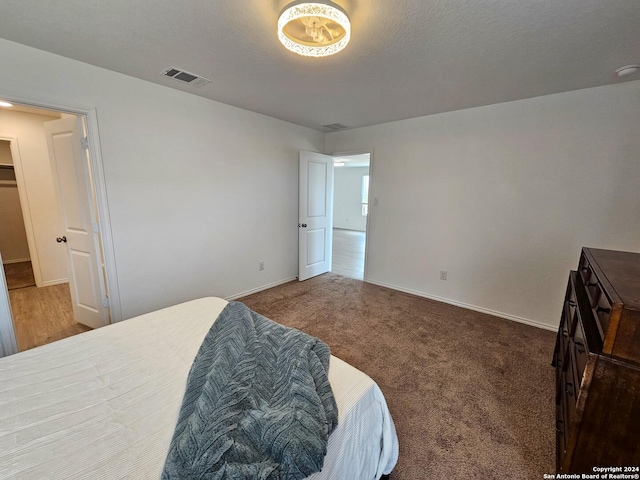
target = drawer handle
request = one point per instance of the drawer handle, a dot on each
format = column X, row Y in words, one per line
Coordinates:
column 569, row 389
column 603, row 309
column 579, row 347
column 592, row 284
column 559, row 425
column 584, row 268
column 572, row 303
column 565, row 332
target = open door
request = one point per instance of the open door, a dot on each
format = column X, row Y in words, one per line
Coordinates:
column 315, row 214
column 70, row 174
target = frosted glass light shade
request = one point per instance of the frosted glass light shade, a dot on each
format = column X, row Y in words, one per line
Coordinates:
column 314, row 29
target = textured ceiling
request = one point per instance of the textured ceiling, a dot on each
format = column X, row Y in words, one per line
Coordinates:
column 407, row 58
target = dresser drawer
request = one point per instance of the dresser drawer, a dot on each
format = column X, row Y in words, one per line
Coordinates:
column 585, row 270
column 569, row 394
column 580, row 349
column 562, row 431
column 587, row 332
column 563, row 338
column 566, row 323
column 571, row 301
column 602, row 310
column 598, row 300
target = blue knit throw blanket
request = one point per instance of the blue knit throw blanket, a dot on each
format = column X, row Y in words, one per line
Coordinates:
column 258, row 403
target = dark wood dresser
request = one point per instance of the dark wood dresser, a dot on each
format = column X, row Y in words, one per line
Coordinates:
column 597, row 360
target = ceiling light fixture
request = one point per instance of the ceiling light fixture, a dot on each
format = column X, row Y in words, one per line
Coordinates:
column 627, row 70
column 314, row 29
column 5, row 104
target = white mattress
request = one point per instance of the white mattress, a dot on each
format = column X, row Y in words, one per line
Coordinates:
column 103, row 404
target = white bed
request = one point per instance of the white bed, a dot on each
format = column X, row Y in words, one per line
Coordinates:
column 103, row 404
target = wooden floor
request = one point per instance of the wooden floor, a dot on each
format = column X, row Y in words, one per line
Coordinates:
column 41, row 315
column 348, row 253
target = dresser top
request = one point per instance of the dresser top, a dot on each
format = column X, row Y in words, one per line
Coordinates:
column 622, row 271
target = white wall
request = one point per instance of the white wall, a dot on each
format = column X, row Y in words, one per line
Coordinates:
column 503, row 197
column 347, row 198
column 199, row 192
column 46, row 222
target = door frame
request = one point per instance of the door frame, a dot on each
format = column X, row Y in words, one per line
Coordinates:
column 8, row 343
column 95, row 171
column 346, row 153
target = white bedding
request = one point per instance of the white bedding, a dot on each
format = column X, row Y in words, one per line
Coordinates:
column 103, row 404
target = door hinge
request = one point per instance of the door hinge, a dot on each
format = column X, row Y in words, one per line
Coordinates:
column 105, row 302
column 96, row 228
column 84, row 143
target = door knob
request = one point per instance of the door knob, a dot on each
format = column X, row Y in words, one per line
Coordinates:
column 61, row 239
column 304, row 225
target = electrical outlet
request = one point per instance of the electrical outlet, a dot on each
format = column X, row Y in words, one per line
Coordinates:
column 443, row 274
column 261, row 266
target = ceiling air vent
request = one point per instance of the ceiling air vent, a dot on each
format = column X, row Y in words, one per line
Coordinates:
column 184, row 76
column 335, row 126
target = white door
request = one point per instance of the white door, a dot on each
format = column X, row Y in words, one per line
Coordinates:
column 69, row 165
column 315, row 214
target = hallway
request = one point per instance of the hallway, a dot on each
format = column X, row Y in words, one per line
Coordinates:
column 348, row 253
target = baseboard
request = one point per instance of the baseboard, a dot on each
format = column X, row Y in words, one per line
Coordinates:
column 475, row 308
column 50, row 283
column 17, row 260
column 259, row 289
column 350, row 229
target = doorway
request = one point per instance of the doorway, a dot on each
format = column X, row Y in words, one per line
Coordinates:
column 35, row 260
column 350, row 214
column 13, row 236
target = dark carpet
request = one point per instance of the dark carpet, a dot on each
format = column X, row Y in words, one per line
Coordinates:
column 19, row 275
column 472, row 395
